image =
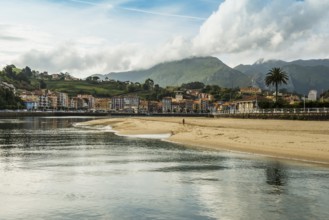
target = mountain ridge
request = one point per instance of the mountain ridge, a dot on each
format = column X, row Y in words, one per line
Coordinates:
column 303, row 74
column 209, row 70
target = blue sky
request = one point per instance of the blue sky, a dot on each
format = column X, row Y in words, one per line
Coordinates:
column 197, row 8
column 85, row 37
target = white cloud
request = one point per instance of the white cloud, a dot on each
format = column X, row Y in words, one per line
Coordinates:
column 97, row 39
column 264, row 28
column 85, row 40
column 74, row 59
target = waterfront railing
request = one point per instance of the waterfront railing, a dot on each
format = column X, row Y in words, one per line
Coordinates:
column 275, row 111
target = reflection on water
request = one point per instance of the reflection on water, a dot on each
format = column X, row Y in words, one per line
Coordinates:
column 52, row 170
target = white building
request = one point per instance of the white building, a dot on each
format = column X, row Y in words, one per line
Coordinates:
column 117, row 103
column 131, row 103
column 43, row 102
column 312, row 95
column 166, row 104
column 179, row 96
column 63, row 100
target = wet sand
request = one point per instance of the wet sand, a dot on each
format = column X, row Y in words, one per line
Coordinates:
column 300, row 140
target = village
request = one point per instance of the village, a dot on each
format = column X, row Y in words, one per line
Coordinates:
column 196, row 102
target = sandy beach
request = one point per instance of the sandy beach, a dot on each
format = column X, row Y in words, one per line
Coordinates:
column 300, row 140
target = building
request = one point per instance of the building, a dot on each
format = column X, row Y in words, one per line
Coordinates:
column 249, row 104
column 179, row 96
column 43, row 102
column 117, row 103
column 31, row 101
column 189, row 105
column 166, row 104
column 88, row 101
column 178, row 107
column 196, row 106
column 292, row 99
column 125, row 104
column 31, row 105
column 74, row 103
column 52, row 99
column 250, row 91
column 131, row 104
column 102, row 104
column 82, row 102
column 62, row 100
column 193, row 92
column 207, row 96
column 312, row 95
column 143, row 106
column 154, row 107
column 204, row 105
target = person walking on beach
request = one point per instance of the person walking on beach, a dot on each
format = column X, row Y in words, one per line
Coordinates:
column 183, row 121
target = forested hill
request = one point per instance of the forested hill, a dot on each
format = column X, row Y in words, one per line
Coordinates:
column 304, row 75
column 208, row 70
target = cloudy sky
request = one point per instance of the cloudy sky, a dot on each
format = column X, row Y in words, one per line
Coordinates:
column 85, row 37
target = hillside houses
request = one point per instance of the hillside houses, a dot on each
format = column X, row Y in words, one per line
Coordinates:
column 183, row 102
column 49, row 100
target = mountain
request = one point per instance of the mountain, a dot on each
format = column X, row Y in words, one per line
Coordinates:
column 304, row 75
column 208, row 70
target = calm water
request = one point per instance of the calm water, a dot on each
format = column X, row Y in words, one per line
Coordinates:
column 52, row 170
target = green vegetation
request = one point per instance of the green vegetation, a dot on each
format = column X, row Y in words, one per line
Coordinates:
column 8, row 100
column 276, row 76
column 222, row 94
column 186, row 71
column 74, row 88
column 147, row 90
column 193, row 85
column 304, row 75
column 207, row 70
column 30, row 80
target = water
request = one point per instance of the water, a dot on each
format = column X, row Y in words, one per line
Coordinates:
column 52, row 170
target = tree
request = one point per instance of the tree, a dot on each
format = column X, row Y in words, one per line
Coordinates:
column 95, row 78
column 42, row 84
column 276, row 76
column 9, row 71
column 8, row 100
column 193, row 85
column 148, row 84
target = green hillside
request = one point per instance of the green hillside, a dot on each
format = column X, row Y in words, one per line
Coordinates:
column 305, row 78
column 304, row 75
column 208, row 70
column 98, row 89
column 83, row 87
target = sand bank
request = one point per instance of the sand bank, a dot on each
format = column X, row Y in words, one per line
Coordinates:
column 302, row 140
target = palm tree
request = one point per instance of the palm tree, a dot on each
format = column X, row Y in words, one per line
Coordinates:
column 276, row 76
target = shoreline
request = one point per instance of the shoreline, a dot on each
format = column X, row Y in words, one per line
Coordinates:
column 306, row 141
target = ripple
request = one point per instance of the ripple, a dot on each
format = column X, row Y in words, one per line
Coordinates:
column 190, row 168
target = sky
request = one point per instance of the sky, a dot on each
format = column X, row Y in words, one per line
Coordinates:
column 85, row 37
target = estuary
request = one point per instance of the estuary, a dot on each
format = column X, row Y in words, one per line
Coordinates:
column 50, row 169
